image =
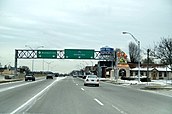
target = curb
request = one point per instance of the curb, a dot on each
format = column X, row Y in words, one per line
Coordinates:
column 157, row 88
column 6, row 81
column 152, row 87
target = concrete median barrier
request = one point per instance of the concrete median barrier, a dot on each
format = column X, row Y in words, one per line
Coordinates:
column 10, row 80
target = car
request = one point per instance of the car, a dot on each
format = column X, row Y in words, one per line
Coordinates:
column 75, row 76
column 9, row 77
column 84, row 77
column 91, row 80
column 29, row 76
column 49, row 76
column 56, row 75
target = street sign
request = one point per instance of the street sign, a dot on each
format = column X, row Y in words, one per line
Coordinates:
column 106, row 51
column 79, row 54
column 47, row 54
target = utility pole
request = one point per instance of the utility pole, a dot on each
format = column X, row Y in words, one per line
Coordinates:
column 148, row 51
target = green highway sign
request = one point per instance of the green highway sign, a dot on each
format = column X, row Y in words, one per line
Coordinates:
column 78, row 54
column 47, row 54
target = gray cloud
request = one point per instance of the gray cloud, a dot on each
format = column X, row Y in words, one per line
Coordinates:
column 82, row 23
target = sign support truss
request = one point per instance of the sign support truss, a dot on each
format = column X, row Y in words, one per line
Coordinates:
column 33, row 54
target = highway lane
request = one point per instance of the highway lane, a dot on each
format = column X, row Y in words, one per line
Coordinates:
column 66, row 97
column 69, row 96
column 131, row 101
column 19, row 93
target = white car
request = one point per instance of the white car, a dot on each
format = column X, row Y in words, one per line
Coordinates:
column 91, row 80
column 49, row 76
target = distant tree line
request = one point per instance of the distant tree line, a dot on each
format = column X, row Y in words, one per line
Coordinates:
column 23, row 69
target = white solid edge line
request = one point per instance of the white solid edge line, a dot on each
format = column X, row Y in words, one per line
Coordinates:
column 30, row 100
column 98, row 102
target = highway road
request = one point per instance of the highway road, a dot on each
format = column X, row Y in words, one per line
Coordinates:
column 69, row 96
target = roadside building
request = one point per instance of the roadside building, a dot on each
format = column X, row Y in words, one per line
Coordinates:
column 123, row 70
column 153, row 73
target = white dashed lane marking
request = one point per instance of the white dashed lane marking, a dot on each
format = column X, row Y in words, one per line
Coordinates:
column 82, row 89
column 122, row 112
column 100, row 103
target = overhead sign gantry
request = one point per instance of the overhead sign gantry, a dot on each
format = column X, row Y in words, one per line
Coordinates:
column 56, row 54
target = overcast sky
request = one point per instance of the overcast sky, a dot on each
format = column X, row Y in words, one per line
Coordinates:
column 79, row 24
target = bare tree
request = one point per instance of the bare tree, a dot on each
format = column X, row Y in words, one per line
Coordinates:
column 2, row 70
column 133, row 52
column 163, row 51
column 151, row 60
column 23, row 69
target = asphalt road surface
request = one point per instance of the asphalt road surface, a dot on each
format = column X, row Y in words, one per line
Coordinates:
column 69, row 96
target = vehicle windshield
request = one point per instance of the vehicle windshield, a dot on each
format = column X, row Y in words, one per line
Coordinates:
column 92, row 76
column 29, row 74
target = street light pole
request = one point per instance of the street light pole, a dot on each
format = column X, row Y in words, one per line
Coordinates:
column 116, row 65
column 138, row 43
column 33, row 57
column 43, row 65
column 48, row 63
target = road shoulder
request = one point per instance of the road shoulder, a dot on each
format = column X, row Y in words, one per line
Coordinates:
column 163, row 89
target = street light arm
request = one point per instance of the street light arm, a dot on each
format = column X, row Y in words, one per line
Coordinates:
column 48, row 62
column 135, row 39
column 40, row 47
column 28, row 47
column 35, row 48
column 132, row 37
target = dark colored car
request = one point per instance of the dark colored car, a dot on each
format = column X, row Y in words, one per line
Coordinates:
column 56, row 75
column 29, row 77
column 49, row 76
